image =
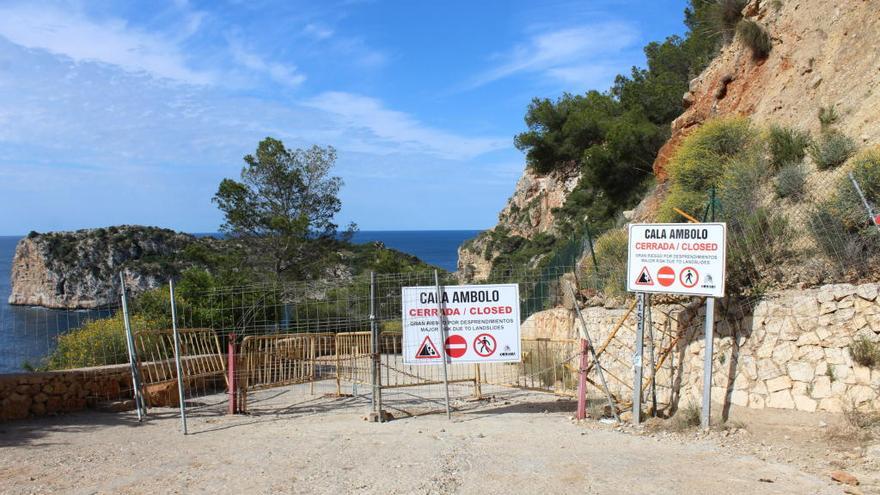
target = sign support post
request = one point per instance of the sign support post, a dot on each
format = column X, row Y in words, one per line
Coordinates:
column 683, row 259
column 637, row 359
column 651, row 361
column 440, row 320
column 707, row 363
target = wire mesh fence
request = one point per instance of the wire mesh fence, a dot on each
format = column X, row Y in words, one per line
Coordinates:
column 306, row 340
column 826, row 230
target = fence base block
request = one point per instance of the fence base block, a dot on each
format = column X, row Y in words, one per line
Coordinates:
column 380, row 417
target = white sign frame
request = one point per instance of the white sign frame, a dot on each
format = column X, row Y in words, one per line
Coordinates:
column 502, row 324
column 674, row 253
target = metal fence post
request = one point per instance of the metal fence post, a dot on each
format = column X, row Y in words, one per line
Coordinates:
column 177, row 362
column 592, row 251
column 585, row 334
column 637, row 359
column 874, row 218
column 233, row 382
column 707, row 363
column 442, row 345
column 132, row 357
column 376, row 358
column 582, row 380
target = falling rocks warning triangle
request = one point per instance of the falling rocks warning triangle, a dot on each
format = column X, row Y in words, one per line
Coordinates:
column 427, row 350
column 644, row 277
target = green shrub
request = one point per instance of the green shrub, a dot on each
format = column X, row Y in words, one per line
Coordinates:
column 790, row 181
column 738, row 188
column 832, row 149
column 866, row 171
column 755, row 37
column 827, row 117
column 759, row 239
column 97, row 343
column 725, row 15
column 702, row 157
column 840, row 225
column 865, row 352
column 691, row 202
column 687, row 417
column 611, row 254
column 786, row 146
column 703, row 160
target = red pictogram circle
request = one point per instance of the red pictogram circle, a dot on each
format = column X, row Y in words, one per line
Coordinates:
column 689, row 277
column 485, row 345
column 666, row 276
column 455, row 346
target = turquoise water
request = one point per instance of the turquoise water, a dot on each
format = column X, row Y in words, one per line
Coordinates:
column 27, row 334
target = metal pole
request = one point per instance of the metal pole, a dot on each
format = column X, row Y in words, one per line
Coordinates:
column 707, row 363
column 651, row 360
column 874, row 218
column 585, row 334
column 377, row 349
column 373, row 341
column 637, row 359
column 713, row 203
column 442, row 345
column 233, row 384
column 132, row 360
column 592, row 252
column 582, row 380
column 177, row 357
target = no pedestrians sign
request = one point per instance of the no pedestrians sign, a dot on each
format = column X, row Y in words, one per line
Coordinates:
column 677, row 258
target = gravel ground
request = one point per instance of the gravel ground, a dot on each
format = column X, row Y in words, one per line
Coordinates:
column 520, row 442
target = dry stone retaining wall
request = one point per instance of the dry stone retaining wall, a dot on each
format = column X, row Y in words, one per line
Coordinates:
column 789, row 351
column 39, row 394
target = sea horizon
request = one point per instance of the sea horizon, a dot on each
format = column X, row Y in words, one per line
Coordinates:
column 435, row 247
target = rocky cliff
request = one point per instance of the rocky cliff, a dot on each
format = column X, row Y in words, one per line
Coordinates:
column 528, row 213
column 824, row 54
column 81, row 269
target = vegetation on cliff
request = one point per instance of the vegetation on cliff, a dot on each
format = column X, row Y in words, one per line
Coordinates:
column 779, row 232
column 611, row 138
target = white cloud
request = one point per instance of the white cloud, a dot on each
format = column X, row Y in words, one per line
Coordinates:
column 317, row 31
column 280, row 73
column 563, row 54
column 368, row 115
column 110, row 41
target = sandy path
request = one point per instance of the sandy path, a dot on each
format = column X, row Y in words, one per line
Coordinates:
column 509, row 446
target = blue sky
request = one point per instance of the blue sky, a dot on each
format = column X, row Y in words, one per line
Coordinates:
column 125, row 112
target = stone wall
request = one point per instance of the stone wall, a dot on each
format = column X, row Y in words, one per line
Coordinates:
column 788, row 351
column 40, row 394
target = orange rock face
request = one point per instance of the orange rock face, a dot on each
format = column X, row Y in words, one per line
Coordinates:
column 824, row 54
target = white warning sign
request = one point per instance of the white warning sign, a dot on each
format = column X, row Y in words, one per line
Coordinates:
column 482, row 324
column 677, row 258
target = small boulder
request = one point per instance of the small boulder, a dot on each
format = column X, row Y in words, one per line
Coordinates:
column 844, row 477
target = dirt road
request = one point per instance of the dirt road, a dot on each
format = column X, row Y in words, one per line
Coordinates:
column 526, row 443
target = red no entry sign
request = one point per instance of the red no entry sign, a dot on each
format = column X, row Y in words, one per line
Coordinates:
column 455, row 346
column 666, row 276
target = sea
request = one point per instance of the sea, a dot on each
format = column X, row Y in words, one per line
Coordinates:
column 28, row 334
